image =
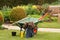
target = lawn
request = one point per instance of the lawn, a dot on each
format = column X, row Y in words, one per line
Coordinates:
column 35, row 16
column 6, row 35
column 49, row 25
column 53, row 24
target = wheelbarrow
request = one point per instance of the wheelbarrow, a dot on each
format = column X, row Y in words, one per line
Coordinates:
column 27, row 19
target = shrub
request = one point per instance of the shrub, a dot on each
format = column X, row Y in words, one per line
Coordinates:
column 45, row 6
column 1, row 18
column 32, row 9
column 17, row 13
column 6, row 12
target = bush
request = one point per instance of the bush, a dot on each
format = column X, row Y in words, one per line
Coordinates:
column 1, row 18
column 45, row 5
column 1, row 27
column 6, row 12
column 32, row 9
column 17, row 13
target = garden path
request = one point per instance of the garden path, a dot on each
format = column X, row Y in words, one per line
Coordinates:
column 9, row 27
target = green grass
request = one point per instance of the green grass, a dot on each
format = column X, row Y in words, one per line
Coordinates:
column 49, row 25
column 35, row 16
column 6, row 35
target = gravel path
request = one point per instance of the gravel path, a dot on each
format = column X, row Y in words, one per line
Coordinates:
column 9, row 26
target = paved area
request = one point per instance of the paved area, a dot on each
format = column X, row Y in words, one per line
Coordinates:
column 9, row 27
column 49, row 30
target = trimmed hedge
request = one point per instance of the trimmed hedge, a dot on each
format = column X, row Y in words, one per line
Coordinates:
column 17, row 13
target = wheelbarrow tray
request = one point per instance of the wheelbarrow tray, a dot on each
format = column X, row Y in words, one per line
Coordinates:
column 27, row 19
